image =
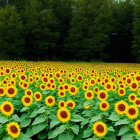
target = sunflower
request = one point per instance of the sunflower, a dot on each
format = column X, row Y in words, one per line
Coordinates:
column 132, row 97
column 73, row 89
column 13, row 129
column 120, row 107
column 104, row 105
column 27, row 100
column 63, row 115
column 102, row 95
column 137, row 78
column 100, row 129
column 53, row 86
column 79, row 78
column 61, row 93
column 108, row 87
column 13, row 76
column 22, row 77
column 50, row 100
column 60, row 87
column 128, row 81
column 134, row 86
column 2, row 91
column 137, row 127
column 132, row 112
column 11, row 91
column 42, row 87
column 28, row 92
column 38, row 96
column 7, row 108
column 121, row 91
column 137, row 102
column 25, row 85
column 70, row 104
column 66, row 87
column 61, row 104
column 85, row 87
column 96, row 89
column 89, row 95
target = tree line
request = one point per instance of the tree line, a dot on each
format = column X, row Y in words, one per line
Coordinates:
column 85, row 30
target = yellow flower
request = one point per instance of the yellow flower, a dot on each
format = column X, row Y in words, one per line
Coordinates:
column 13, row 129
column 87, row 106
column 11, row 91
column 89, row 95
column 120, row 107
column 38, row 96
column 137, row 127
column 102, row 95
column 7, row 108
column 2, row 91
column 50, row 100
column 104, row 105
column 63, row 114
column 132, row 112
column 100, row 129
column 27, row 100
column 61, row 104
column 70, row 104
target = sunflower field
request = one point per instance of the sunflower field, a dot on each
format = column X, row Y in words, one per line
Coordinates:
column 69, row 101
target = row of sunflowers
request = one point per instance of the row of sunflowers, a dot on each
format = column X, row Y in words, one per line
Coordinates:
column 69, row 101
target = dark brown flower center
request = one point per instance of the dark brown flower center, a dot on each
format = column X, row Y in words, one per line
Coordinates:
column 64, row 114
column 7, row 108
column 14, row 129
column 100, row 128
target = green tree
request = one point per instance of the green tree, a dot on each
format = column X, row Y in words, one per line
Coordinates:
column 40, row 34
column 136, row 31
column 90, row 29
column 11, row 28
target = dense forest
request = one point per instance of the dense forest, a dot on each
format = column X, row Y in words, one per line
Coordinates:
column 70, row 30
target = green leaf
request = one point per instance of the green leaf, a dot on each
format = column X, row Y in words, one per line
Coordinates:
column 75, row 128
column 37, row 128
column 57, row 131
column 95, row 118
column 138, row 137
column 93, row 138
column 25, row 108
column 54, row 123
column 38, row 120
column 3, row 119
column 23, row 137
column 120, row 122
column 42, row 135
column 16, row 118
column 77, row 118
column 7, row 138
column 87, row 133
column 33, row 114
column 66, row 136
column 41, row 110
column 128, row 136
column 25, row 123
column 111, row 129
column 114, row 117
column 123, row 130
column 84, row 122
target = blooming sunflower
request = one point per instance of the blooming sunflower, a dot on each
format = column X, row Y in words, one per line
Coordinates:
column 27, row 100
column 61, row 93
column 73, row 89
column 70, row 104
column 104, row 105
column 102, row 95
column 120, row 107
column 50, row 100
column 61, row 104
column 28, row 92
column 132, row 112
column 137, row 127
column 134, row 86
column 13, row 129
column 121, row 91
column 7, row 108
column 100, row 129
column 11, row 91
column 89, row 95
column 63, row 114
column 2, row 91
column 132, row 97
column 38, row 96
